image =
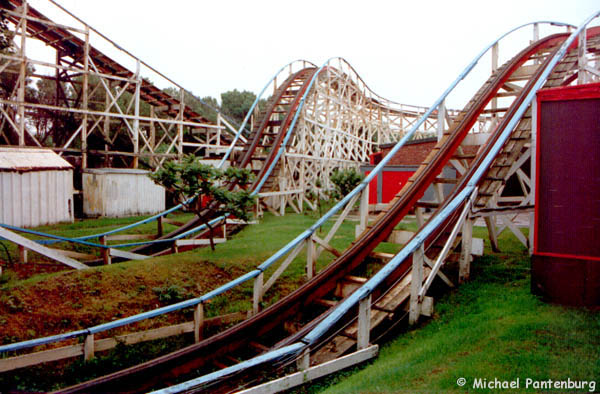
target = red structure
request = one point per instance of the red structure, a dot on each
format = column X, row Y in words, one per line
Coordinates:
column 401, row 167
column 566, row 258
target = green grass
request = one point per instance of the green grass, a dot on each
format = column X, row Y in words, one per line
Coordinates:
column 491, row 327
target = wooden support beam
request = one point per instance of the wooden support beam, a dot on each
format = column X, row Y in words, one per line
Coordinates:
column 364, row 323
column 44, row 251
column 127, row 255
column 464, row 268
column 257, row 293
column 88, row 347
column 198, row 322
column 415, row 285
column 199, row 242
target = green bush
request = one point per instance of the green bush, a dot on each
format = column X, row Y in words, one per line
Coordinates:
column 344, row 181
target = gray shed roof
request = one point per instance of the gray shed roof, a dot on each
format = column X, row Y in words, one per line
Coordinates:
column 31, row 159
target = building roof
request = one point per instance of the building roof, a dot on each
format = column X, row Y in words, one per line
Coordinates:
column 31, row 159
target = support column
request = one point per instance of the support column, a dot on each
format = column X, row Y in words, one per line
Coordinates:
column 415, row 285
column 310, row 258
column 22, row 76
column 464, row 268
column 364, row 323
column 88, row 347
column 257, row 293
column 180, row 125
column 136, row 120
column 198, row 322
column 84, row 92
column 441, row 119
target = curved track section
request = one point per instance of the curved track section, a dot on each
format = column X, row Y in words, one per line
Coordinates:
column 295, row 317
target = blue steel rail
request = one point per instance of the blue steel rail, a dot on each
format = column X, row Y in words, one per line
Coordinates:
column 292, row 244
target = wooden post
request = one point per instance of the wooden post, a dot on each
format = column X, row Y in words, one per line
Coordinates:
column 198, row 322
column 136, row 119
column 159, row 225
column 84, row 93
column 180, row 125
column 257, row 293
column 464, row 268
column 441, row 117
column 364, row 323
column 153, row 160
column 88, row 347
column 415, row 285
column 310, row 257
column 303, row 362
column 105, row 251
column 490, row 222
column 22, row 77
column 420, row 218
column 364, row 210
column 22, row 254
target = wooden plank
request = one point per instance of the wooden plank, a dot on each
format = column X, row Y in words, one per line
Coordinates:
column 129, row 237
column 312, row 373
column 199, row 242
column 44, row 251
column 27, row 360
column 76, row 255
column 127, row 255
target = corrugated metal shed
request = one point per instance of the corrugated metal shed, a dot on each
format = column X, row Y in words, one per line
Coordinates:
column 36, row 187
column 118, row 192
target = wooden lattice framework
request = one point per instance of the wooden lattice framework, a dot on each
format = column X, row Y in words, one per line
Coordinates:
column 115, row 115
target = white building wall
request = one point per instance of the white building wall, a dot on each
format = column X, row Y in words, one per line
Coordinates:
column 120, row 192
column 35, row 198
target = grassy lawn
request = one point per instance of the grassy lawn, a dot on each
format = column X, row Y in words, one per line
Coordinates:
column 491, row 327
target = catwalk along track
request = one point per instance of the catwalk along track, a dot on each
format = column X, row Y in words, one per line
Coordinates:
column 292, row 319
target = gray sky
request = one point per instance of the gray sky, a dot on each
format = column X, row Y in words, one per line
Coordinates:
column 405, row 51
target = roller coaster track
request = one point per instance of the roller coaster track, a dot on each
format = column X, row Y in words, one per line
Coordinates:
column 294, row 318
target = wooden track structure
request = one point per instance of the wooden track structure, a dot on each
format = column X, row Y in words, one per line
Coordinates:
column 402, row 295
column 114, row 115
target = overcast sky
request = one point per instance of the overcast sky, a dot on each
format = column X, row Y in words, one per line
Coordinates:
column 405, row 51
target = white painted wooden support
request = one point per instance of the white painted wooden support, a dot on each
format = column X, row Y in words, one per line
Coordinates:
column 198, row 322
column 363, row 212
column 441, row 116
column 88, row 347
column 464, row 268
column 415, row 285
column 257, row 293
column 199, row 242
column 310, row 257
column 442, row 276
column 303, row 362
column 288, row 260
column 533, row 171
column 448, row 245
column 314, row 372
column 337, row 224
column 420, row 218
column 127, row 255
column 44, row 251
column 22, row 254
column 513, row 228
column 364, row 323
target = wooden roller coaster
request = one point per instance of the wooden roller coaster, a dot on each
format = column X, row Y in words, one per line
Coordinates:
column 292, row 319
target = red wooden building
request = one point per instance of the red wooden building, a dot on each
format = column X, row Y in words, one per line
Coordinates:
column 566, row 257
